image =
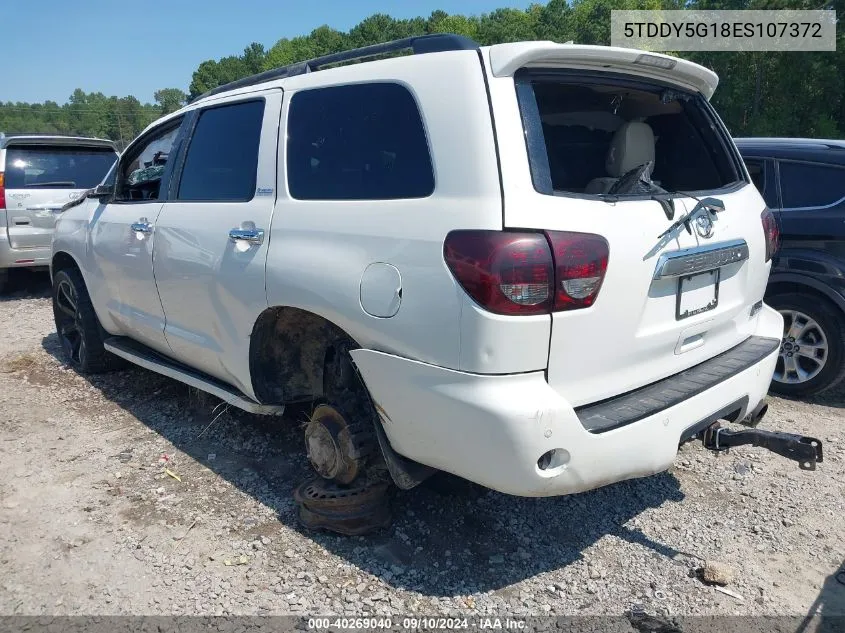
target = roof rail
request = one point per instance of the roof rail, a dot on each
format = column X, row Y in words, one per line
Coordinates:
column 420, row 45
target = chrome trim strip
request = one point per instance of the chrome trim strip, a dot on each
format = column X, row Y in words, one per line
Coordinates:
column 690, row 261
column 818, row 208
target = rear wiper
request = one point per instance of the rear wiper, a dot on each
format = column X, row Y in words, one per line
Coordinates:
column 54, row 183
column 708, row 205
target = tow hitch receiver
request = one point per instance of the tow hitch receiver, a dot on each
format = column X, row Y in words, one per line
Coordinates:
column 807, row 451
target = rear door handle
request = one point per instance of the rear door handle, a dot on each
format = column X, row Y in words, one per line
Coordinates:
column 251, row 236
column 142, row 226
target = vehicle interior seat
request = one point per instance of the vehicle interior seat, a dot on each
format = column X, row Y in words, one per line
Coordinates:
column 632, row 145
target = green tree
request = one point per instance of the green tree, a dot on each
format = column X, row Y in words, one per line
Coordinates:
column 786, row 94
column 170, row 99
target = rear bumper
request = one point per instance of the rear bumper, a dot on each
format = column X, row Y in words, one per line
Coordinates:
column 22, row 257
column 493, row 429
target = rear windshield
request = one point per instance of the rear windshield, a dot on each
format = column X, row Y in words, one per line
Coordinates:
column 56, row 167
column 598, row 136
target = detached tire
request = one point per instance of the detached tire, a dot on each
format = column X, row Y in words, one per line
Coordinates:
column 812, row 354
column 77, row 326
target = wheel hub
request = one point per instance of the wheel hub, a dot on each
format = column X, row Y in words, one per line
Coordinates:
column 803, row 349
column 336, row 449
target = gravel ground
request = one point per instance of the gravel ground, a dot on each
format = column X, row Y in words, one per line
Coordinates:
column 90, row 522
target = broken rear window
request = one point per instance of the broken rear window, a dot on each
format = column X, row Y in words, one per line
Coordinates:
column 616, row 136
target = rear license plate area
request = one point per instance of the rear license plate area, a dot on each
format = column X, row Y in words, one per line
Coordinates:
column 696, row 294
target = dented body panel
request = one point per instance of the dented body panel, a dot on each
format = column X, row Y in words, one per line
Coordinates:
column 493, row 429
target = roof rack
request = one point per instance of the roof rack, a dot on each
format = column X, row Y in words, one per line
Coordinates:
column 420, row 45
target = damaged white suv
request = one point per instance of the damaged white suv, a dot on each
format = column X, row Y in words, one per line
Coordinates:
column 536, row 266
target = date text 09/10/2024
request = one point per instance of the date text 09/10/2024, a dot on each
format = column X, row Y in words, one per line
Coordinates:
column 411, row 623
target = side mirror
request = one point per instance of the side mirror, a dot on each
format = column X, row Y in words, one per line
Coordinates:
column 101, row 192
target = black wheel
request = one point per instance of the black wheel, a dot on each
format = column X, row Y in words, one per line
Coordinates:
column 77, row 325
column 812, row 351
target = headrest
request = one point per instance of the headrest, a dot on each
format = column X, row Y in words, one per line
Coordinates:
column 632, row 145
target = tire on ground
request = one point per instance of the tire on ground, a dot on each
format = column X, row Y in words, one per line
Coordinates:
column 89, row 356
column 832, row 322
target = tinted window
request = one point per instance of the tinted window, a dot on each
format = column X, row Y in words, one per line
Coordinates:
column 362, row 142
column 808, row 185
column 758, row 174
column 143, row 166
column 761, row 172
column 45, row 167
column 222, row 158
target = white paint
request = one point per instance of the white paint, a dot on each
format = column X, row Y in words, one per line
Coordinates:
column 381, row 290
column 473, row 393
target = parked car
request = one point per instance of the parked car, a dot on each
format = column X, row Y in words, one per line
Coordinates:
column 463, row 257
column 803, row 182
column 38, row 175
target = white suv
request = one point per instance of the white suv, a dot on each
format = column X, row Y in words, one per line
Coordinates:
column 472, row 259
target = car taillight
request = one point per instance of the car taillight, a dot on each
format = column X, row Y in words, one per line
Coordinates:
column 506, row 273
column 2, row 191
column 527, row 273
column 771, row 231
column 580, row 265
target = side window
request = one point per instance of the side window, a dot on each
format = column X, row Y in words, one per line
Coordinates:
column 804, row 185
column 357, row 142
column 222, row 158
column 762, row 175
column 757, row 171
column 140, row 172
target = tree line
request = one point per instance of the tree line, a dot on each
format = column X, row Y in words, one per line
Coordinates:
column 764, row 94
column 90, row 114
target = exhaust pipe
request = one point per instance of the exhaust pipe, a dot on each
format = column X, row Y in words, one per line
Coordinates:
column 756, row 415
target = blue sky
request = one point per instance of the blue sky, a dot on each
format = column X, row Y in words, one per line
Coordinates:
column 121, row 48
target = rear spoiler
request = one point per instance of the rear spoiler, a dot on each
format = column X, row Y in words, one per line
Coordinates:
column 506, row 59
column 73, row 141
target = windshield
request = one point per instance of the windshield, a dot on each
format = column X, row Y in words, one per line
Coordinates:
column 55, row 167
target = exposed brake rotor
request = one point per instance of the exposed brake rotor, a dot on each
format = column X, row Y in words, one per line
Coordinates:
column 337, row 449
column 351, row 510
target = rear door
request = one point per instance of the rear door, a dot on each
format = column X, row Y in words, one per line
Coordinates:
column 40, row 177
column 812, row 214
column 646, row 322
column 211, row 236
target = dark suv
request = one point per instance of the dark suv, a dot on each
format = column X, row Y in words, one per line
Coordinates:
column 803, row 182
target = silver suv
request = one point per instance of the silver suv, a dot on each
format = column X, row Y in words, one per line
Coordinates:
column 38, row 176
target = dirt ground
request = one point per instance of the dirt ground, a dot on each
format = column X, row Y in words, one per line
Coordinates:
column 92, row 523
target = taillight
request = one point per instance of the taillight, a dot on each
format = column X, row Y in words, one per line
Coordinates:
column 506, row 273
column 518, row 273
column 580, row 265
column 2, row 191
column 771, row 231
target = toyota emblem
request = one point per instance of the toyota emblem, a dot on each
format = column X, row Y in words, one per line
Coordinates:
column 704, row 225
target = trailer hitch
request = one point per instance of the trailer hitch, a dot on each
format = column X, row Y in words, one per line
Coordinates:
column 807, row 451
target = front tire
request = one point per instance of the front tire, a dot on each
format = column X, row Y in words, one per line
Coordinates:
column 77, row 326
column 812, row 353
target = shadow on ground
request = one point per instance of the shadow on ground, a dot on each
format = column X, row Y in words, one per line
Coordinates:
column 834, row 397
column 26, row 284
column 441, row 530
column 827, row 613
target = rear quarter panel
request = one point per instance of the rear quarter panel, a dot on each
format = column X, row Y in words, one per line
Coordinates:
column 320, row 249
